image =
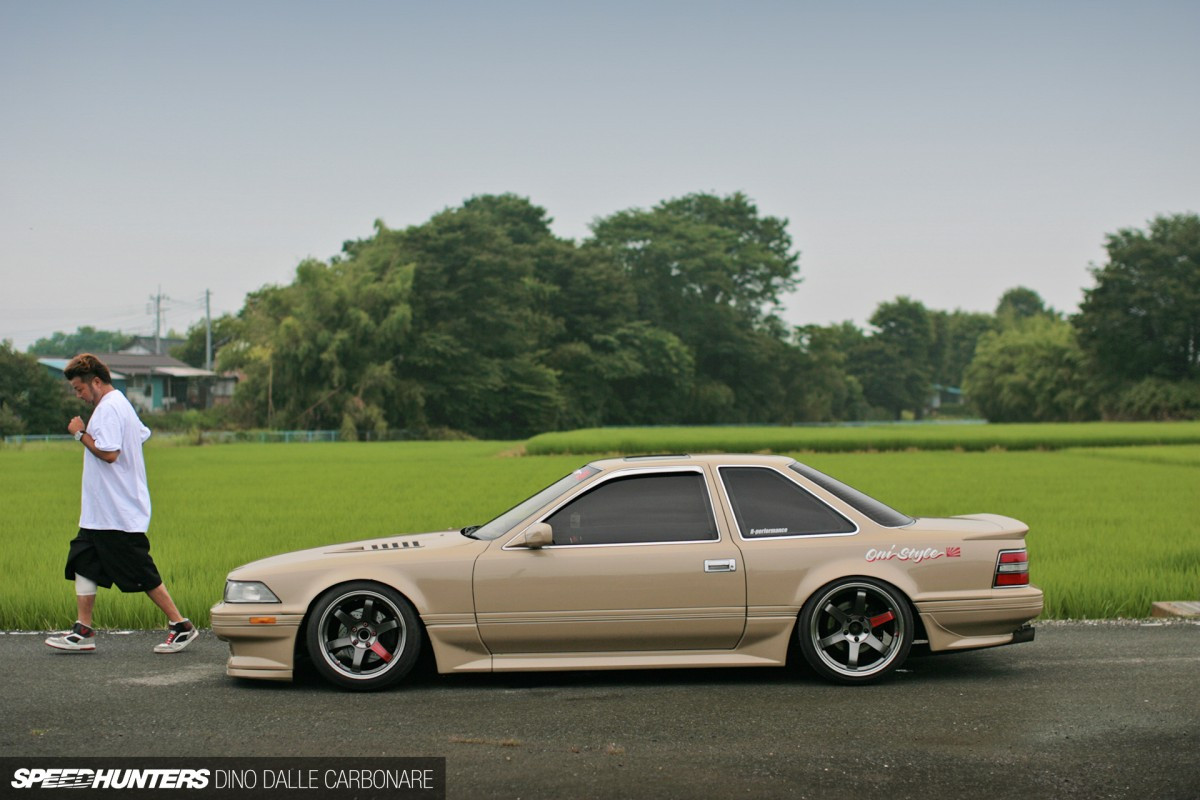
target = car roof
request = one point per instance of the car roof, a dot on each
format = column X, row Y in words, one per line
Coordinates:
column 682, row 459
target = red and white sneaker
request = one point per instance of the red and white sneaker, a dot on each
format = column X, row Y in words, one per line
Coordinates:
column 80, row 639
column 179, row 635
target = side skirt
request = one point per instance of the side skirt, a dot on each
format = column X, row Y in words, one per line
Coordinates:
column 764, row 644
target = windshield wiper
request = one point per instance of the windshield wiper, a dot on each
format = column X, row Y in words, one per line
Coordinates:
column 469, row 531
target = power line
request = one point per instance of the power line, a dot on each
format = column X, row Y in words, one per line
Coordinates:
column 150, row 320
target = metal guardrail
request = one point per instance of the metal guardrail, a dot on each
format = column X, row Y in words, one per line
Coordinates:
column 38, row 437
column 286, row 437
column 212, row 436
column 259, row 436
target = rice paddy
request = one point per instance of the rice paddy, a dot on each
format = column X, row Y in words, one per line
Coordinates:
column 874, row 437
column 1112, row 529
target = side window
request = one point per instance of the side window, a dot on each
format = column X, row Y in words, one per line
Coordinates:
column 670, row 507
column 768, row 504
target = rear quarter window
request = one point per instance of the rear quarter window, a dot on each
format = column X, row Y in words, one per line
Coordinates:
column 768, row 504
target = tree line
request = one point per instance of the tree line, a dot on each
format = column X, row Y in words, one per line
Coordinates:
column 481, row 321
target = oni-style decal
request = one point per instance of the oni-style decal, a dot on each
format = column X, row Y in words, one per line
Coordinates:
column 914, row 554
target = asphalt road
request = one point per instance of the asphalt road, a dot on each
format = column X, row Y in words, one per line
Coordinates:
column 1084, row 711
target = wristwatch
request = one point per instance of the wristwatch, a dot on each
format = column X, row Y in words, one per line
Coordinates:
column 79, row 435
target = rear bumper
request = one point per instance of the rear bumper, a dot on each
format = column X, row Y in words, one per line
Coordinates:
column 1001, row 618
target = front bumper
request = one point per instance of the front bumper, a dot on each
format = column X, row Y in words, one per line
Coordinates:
column 262, row 642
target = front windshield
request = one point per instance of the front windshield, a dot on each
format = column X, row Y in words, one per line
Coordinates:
column 506, row 521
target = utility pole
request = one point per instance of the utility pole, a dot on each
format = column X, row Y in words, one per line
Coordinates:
column 208, row 362
column 158, row 298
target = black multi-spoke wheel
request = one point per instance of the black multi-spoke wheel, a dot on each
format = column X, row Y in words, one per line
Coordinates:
column 855, row 630
column 363, row 636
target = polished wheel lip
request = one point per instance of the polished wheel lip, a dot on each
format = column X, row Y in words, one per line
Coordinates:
column 860, row 626
column 360, row 637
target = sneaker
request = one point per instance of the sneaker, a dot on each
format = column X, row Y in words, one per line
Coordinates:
column 80, row 639
column 179, row 635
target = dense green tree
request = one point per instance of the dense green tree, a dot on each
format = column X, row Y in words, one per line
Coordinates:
column 614, row 368
column 1142, row 318
column 956, row 333
column 225, row 329
column 1021, row 303
column 895, row 365
column 85, row 339
column 327, row 346
column 635, row 374
column 663, row 316
column 712, row 272
column 1031, row 372
column 821, row 388
column 32, row 400
column 701, row 250
column 444, row 324
column 483, row 317
column 481, row 320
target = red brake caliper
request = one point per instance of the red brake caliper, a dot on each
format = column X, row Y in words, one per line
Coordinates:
column 378, row 650
column 882, row 618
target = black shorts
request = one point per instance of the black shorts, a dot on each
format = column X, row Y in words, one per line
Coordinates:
column 109, row 557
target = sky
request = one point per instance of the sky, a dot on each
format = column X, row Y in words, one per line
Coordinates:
column 946, row 151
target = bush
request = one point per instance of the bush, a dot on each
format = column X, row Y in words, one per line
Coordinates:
column 32, row 400
column 210, row 419
column 1158, row 399
column 1033, row 372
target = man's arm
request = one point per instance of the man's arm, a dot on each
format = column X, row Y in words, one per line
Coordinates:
column 75, row 426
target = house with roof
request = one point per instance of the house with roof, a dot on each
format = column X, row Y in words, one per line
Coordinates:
column 149, row 345
column 159, row 383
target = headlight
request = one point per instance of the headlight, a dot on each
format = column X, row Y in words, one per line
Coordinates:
column 248, row 592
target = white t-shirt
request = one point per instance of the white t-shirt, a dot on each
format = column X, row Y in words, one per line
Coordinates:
column 116, row 496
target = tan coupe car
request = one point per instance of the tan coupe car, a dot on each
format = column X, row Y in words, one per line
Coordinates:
column 643, row 562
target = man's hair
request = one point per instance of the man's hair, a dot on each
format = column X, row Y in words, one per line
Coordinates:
column 86, row 366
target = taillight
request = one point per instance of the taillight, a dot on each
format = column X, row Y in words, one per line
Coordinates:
column 1012, row 569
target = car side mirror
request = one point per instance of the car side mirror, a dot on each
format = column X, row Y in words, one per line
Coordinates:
column 536, row 536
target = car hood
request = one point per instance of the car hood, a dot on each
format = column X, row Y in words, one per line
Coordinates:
column 413, row 543
column 972, row 526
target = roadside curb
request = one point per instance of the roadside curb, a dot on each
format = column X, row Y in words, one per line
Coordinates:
column 1187, row 609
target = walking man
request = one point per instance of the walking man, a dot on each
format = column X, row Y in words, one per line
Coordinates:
column 115, row 511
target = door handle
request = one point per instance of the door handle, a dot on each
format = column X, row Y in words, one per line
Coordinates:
column 720, row 565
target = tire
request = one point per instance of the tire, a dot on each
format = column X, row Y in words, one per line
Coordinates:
column 855, row 630
column 363, row 636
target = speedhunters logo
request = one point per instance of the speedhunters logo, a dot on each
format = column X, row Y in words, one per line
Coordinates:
column 68, row 778
column 239, row 778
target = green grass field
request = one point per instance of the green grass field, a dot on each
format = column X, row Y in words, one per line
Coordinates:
column 1112, row 529
column 920, row 436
